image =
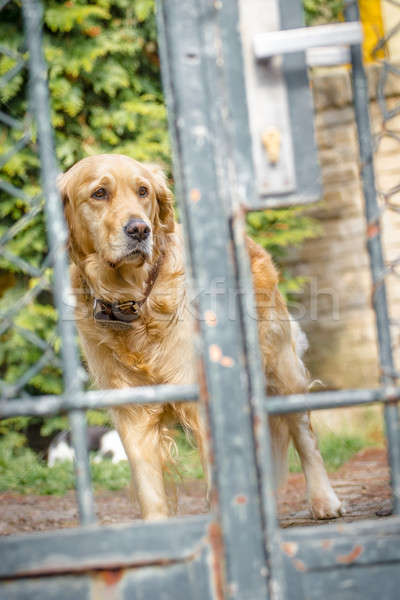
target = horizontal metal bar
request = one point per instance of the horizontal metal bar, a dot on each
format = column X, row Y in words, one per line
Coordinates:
column 96, row 547
column 277, row 201
column 271, row 43
column 328, row 56
column 279, row 405
column 51, row 405
column 332, row 545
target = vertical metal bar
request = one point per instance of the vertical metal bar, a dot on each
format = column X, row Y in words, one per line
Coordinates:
column 276, row 576
column 374, row 245
column 189, row 40
column 40, row 106
column 240, row 191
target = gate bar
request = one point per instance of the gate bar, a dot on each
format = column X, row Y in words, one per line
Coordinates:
column 118, row 545
column 40, row 107
column 374, row 245
column 240, row 191
column 50, row 405
column 273, row 405
column 191, row 42
column 269, row 44
column 281, row 405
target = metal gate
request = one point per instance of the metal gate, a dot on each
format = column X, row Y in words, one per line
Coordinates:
column 237, row 551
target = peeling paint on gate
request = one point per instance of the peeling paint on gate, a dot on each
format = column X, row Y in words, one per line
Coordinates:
column 217, row 558
column 347, row 559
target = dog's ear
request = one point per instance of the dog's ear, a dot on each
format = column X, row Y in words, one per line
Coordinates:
column 62, row 188
column 164, row 198
column 62, row 184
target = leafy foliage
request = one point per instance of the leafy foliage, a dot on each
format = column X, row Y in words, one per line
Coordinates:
column 322, row 11
column 106, row 96
column 276, row 231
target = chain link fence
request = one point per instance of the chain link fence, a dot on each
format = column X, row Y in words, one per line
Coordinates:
column 29, row 355
column 387, row 156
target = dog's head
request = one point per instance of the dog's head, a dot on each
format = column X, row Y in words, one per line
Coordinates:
column 115, row 207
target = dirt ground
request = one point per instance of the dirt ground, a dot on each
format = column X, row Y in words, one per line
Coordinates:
column 363, row 484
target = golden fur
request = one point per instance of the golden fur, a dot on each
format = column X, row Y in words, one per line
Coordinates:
column 157, row 348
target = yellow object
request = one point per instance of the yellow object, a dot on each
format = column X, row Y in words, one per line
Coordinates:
column 372, row 21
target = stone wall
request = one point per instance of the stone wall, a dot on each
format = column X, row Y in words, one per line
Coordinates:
column 338, row 318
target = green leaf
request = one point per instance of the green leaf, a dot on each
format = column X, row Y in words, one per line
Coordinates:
column 65, row 17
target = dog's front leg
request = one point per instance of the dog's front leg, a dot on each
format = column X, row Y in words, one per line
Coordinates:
column 323, row 500
column 139, row 430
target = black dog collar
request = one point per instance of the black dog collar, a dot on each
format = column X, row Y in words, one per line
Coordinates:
column 123, row 313
column 117, row 312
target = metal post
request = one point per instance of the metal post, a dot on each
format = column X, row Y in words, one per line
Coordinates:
column 40, row 106
column 190, row 42
column 374, row 245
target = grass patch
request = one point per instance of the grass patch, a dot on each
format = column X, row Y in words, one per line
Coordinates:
column 188, row 460
column 23, row 471
column 335, row 450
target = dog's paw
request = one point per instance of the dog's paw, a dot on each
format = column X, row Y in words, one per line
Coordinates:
column 326, row 506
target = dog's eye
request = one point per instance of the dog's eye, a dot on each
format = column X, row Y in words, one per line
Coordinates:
column 143, row 191
column 100, row 194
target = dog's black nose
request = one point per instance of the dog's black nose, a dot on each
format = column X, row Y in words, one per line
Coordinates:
column 137, row 229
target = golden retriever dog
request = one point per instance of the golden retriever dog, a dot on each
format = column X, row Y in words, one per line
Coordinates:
column 136, row 326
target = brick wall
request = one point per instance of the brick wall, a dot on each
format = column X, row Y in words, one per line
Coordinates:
column 338, row 316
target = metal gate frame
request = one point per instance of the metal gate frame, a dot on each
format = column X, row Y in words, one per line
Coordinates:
column 237, row 551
